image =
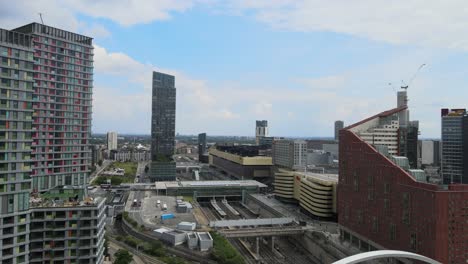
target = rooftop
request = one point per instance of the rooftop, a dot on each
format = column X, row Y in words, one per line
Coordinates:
column 207, row 184
column 204, row 236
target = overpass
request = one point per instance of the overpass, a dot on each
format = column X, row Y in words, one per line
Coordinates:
column 263, row 232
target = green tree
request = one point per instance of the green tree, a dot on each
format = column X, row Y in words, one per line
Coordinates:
column 99, row 163
column 122, row 256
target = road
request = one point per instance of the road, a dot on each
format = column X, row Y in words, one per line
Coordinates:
column 141, row 173
column 105, row 163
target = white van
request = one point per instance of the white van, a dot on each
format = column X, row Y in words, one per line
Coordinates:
column 158, row 203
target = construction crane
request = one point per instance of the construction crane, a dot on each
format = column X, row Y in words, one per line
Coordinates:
column 403, row 86
column 42, row 21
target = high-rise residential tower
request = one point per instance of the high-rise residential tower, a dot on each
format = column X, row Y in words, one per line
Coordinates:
column 163, row 127
column 338, row 125
column 454, row 146
column 261, row 130
column 46, row 104
column 16, row 112
column 111, row 140
column 63, row 81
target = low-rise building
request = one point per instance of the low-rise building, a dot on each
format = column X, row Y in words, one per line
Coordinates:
column 124, row 156
column 208, row 188
column 205, row 241
column 241, row 162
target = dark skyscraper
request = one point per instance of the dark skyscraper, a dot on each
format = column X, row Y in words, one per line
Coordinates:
column 202, row 147
column 338, row 125
column 454, row 146
column 163, row 127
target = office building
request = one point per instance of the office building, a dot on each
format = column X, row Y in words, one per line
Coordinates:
column 241, row 162
column 163, row 112
column 408, row 131
column 202, row 150
column 290, row 154
column 16, row 112
column 384, row 204
column 454, row 146
column 429, row 152
column 111, row 141
column 63, row 79
column 338, row 126
column 261, row 130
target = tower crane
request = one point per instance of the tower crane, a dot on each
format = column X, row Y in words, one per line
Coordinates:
column 403, row 86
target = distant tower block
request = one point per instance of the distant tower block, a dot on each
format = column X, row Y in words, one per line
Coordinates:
column 261, row 130
column 338, row 125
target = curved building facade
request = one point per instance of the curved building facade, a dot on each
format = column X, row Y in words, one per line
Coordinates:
column 316, row 193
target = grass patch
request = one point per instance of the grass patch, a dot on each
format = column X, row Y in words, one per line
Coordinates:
column 188, row 199
column 129, row 176
column 224, row 252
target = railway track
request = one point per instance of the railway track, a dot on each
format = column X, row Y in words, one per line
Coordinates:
column 242, row 250
column 243, row 211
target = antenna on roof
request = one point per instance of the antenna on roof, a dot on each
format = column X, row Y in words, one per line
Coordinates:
column 40, row 15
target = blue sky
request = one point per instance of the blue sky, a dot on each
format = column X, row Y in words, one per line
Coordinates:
column 299, row 64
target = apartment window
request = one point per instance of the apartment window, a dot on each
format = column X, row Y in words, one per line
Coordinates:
column 413, row 241
column 392, row 232
column 406, row 215
column 375, row 224
column 386, row 187
column 370, row 195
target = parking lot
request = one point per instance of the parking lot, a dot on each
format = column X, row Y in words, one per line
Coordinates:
column 149, row 212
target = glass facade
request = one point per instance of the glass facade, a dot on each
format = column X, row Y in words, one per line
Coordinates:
column 454, row 144
column 163, row 127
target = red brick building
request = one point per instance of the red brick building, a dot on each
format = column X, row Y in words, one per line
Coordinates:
column 381, row 205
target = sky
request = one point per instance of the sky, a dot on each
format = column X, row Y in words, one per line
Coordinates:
column 300, row 64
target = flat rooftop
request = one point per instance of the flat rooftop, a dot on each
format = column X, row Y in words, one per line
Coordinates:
column 163, row 185
column 204, row 236
column 322, row 176
column 175, row 232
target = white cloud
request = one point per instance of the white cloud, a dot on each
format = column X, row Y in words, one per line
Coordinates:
column 130, row 12
column 263, row 109
column 421, row 22
column 197, row 103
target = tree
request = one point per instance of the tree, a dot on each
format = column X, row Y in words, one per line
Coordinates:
column 122, row 256
column 99, row 163
column 146, row 169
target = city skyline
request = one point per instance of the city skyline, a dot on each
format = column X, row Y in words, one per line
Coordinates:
column 238, row 62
